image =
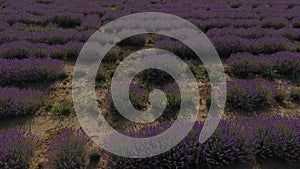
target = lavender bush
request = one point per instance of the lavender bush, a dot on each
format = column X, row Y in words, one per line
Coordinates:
column 295, row 94
column 285, row 64
column 137, row 96
column 277, row 138
column 29, row 70
column 235, row 141
column 16, row 102
column 68, row 150
column 175, row 47
column 16, row 149
column 225, row 147
column 250, row 94
column 227, row 45
column 24, row 49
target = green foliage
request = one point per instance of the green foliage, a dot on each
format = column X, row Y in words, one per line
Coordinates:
column 94, row 154
column 63, row 109
column 112, row 56
column 283, row 94
column 45, row 1
column 66, row 21
column 296, row 94
column 37, row 28
column 101, row 77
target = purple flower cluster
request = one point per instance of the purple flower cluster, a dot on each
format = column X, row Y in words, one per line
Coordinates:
column 137, row 96
column 51, row 37
column 240, row 20
column 174, row 100
column 16, row 102
column 175, row 47
column 277, row 138
column 25, row 49
column 286, row 64
column 234, row 141
column 16, row 149
column 290, row 33
column 29, row 70
column 68, row 150
column 249, row 33
column 250, row 94
column 227, row 45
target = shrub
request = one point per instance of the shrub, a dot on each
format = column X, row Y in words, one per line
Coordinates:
column 16, row 49
column 94, row 154
column 288, row 64
column 230, row 144
column 136, row 41
column 159, row 77
column 224, row 148
column 16, row 102
column 273, row 24
column 65, row 21
column 296, row 25
column 29, row 70
column 173, row 94
column 250, row 94
column 283, row 94
column 16, row 149
column 277, row 138
column 285, row 64
column 137, row 96
column 101, row 76
column 248, row 33
column 68, row 150
column 112, row 56
column 45, row 1
column 63, row 109
column 155, row 77
column 241, row 65
column 66, row 51
column 228, row 44
column 296, row 94
column 175, row 47
column 291, row 33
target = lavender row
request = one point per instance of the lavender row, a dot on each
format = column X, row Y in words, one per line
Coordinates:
column 66, row 151
column 139, row 98
column 284, row 64
column 93, row 14
column 16, row 149
column 252, row 94
column 227, row 45
column 25, row 49
column 51, row 37
column 20, row 102
column 245, row 94
column 255, row 32
column 15, row 71
column 234, row 142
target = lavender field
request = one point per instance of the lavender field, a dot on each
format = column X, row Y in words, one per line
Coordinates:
column 258, row 42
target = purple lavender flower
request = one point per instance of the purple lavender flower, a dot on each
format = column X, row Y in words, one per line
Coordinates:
column 286, row 64
column 16, row 102
column 16, row 149
column 16, row 71
column 277, row 137
column 230, row 144
column 68, row 150
column 250, row 94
